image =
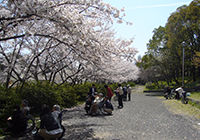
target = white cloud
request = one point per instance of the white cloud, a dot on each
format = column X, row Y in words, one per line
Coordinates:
column 162, row 5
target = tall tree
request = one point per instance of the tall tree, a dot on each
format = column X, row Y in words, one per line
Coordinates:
column 165, row 52
column 57, row 40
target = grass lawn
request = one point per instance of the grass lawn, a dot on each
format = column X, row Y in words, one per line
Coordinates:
column 195, row 96
column 189, row 110
column 177, row 107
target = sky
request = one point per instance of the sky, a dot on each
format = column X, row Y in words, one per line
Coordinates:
column 146, row 15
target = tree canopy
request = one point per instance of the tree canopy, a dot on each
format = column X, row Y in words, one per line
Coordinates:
column 63, row 41
column 165, row 51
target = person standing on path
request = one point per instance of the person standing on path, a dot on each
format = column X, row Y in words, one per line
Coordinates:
column 109, row 92
column 120, row 98
column 129, row 92
column 92, row 90
column 124, row 93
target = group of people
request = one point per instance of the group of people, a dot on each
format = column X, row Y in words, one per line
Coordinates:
column 96, row 102
column 122, row 94
column 126, row 93
column 50, row 124
column 179, row 92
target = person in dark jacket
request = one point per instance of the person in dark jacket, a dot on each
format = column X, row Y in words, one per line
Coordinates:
column 120, row 96
column 88, row 105
column 168, row 92
column 18, row 122
column 92, row 90
column 50, row 127
column 124, row 93
column 108, row 107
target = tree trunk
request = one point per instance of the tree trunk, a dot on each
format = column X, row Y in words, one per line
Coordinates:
column 194, row 73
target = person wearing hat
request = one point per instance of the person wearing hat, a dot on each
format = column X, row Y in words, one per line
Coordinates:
column 129, row 92
column 100, row 97
column 25, row 107
column 56, row 110
column 108, row 107
column 100, row 101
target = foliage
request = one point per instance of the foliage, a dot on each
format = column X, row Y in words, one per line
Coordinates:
column 164, row 58
column 196, row 60
column 150, row 85
column 8, row 98
column 41, row 92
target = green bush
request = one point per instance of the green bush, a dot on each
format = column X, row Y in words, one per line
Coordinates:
column 42, row 92
column 8, row 98
column 150, row 85
column 38, row 93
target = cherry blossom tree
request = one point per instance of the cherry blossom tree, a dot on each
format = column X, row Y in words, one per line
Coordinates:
column 63, row 41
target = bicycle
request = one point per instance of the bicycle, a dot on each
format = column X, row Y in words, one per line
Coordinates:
column 115, row 97
column 30, row 123
column 184, row 98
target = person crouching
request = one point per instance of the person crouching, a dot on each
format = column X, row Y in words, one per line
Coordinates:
column 50, row 127
column 108, row 107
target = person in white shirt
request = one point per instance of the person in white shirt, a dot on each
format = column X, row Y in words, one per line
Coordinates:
column 178, row 92
column 95, row 103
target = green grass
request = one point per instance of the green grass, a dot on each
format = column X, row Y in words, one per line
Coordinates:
column 190, row 109
column 195, row 96
column 177, row 107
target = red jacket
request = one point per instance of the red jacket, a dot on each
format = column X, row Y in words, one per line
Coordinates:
column 109, row 92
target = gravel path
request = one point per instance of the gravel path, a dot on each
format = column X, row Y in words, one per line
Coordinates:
column 142, row 118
